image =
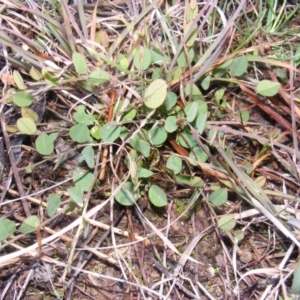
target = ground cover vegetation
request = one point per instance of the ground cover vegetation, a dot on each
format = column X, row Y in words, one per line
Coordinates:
column 149, row 149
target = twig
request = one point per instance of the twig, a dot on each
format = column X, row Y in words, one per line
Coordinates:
column 14, row 167
column 113, row 95
column 103, row 237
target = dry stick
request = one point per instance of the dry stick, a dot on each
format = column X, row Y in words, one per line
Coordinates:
column 5, row 188
column 104, row 236
column 97, row 253
column 12, row 277
column 15, row 256
column 197, row 256
column 105, row 148
column 158, row 265
column 14, row 167
column 88, row 295
column 130, row 276
column 103, row 163
column 115, row 230
column 81, row 259
column 267, row 109
column 132, row 239
column 25, row 284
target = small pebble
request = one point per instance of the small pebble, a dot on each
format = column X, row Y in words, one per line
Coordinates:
column 245, row 256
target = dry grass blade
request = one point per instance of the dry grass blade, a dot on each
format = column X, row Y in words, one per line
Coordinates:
column 261, row 200
column 130, row 27
column 205, row 60
column 5, row 260
column 247, row 182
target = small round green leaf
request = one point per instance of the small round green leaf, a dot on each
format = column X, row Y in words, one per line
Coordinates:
column 191, row 111
column 76, row 194
column 26, row 125
column 53, row 203
column 212, row 134
column 140, row 145
column 79, row 63
column 79, row 133
column 239, row 234
column 82, row 179
column 82, row 117
column 196, row 182
column 30, row 224
column 123, row 61
column 194, row 91
column 45, row 144
column 126, row 195
column 144, row 173
column 35, row 74
column 218, row 197
column 187, row 140
column 49, row 78
column 98, row 77
column 156, row 74
column 170, row 101
column 129, row 115
column 53, row 136
column 158, row 57
column 142, row 59
column 222, row 70
column 157, row 196
column 171, row 124
column 219, row 94
column 156, row 93
column 175, row 73
column 87, row 155
column 110, row 132
column 7, row 228
column 11, row 128
column 202, row 107
column 174, row 163
column 182, row 60
column 27, row 112
column 226, row 223
column 268, row 88
column 95, row 132
column 193, row 181
column 243, row 115
column 239, row 66
column 261, row 181
column 198, row 155
column 22, row 99
column 201, row 122
column 281, row 74
column 157, row 135
column 19, row 80
column 205, row 83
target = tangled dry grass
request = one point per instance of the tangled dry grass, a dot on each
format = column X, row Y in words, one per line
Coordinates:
column 191, row 196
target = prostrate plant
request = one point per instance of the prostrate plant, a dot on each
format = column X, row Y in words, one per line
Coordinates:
column 162, row 108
